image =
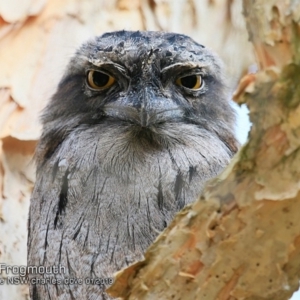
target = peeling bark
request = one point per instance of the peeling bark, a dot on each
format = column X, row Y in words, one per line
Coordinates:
column 36, row 40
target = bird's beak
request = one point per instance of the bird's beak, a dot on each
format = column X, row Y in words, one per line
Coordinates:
column 144, row 108
column 144, row 116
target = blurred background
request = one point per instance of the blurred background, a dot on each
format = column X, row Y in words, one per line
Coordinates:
column 38, row 37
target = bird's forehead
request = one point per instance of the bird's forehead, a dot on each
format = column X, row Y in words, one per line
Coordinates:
column 132, row 48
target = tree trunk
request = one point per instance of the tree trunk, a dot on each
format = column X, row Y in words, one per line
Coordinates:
column 241, row 239
column 37, row 39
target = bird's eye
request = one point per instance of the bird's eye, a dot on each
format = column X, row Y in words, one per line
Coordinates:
column 99, row 80
column 192, row 82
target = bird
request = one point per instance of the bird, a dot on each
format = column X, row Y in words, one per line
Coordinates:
column 139, row 122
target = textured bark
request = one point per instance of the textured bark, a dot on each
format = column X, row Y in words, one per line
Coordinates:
column 241, row 239
column 36, row 40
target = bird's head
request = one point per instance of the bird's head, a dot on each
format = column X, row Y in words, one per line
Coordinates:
column 149, row 83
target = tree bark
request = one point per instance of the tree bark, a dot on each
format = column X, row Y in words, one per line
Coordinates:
column 241, row 239
column 37, row 39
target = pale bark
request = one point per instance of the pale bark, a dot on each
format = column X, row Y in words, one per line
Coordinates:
column 37, row 38
column 241, row 239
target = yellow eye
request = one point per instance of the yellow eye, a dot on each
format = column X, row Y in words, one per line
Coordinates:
column 192, row 82
column 99, row 80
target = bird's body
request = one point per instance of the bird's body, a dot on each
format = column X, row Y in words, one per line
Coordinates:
column 127, row 142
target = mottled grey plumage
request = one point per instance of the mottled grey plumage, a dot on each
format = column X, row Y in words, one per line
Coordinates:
column 114, row 165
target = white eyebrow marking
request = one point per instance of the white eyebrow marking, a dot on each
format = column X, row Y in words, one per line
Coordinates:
column 180, row 64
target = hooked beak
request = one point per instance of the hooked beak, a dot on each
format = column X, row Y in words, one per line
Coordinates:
column 145, row 109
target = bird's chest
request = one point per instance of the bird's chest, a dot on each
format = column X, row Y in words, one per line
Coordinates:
column 162, row 177
column 117, row 182
column 109, row 200
column 117, row 187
